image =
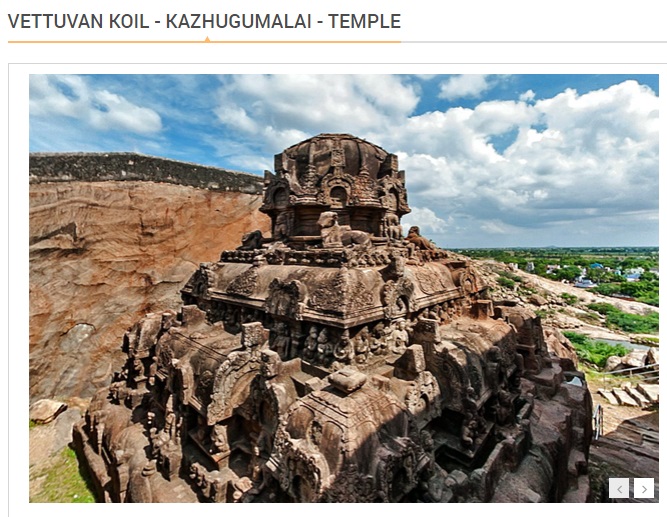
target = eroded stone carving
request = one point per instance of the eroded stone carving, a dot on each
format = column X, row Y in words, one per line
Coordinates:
column 335, row 361
column 422, row 243
column 336, row 236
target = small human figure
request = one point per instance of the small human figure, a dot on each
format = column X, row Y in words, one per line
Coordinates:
column 139, row 369
column 378, row 342
column 281, row 228
column 324, row 345
column 401, row 338
column 503, row 407
column 469, row 433
column 393, row 227
column 344, row 350
column 362, row 345
column 281, row 342
column 219, row 438
column 311, row 342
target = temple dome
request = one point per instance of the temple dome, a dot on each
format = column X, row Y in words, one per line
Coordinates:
column 328, row 150
column 358, row 180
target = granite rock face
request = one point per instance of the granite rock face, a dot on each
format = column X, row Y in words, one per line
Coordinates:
column 338, row 361
column 103, row 254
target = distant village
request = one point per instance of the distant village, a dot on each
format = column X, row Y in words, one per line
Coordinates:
column 581, row 278
column 628, row 273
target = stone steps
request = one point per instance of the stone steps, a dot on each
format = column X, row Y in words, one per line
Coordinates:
column 650, row 391
column 638, row 396
column 641, row 395
column 624, row 397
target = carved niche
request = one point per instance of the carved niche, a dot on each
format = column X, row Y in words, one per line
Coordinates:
column 398, row 297
column 286, row 299
column 203, row 280
column 336, row 191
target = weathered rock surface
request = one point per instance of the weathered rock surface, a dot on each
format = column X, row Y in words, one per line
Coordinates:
column 637, row 395
column 93, row 167
column 650, row 391
column 45, row 410
column 624, row 398
column 103, row 254
column 559, row 345
column 634, row 359
column 47, row 439
column 538, row 300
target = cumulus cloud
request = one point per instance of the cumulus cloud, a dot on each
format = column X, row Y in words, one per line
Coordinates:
column 577, row 161
column 322, row 102
column 461, row 86
column 72, row 97
column 426, row 219
column 276, row 111
column 527, row 96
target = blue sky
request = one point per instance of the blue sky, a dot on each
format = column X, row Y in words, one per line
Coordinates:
column 490, row 160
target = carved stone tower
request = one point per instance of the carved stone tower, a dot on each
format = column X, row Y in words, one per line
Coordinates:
column 357, row 180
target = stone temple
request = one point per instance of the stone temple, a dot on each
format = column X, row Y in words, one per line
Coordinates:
column 339, row 361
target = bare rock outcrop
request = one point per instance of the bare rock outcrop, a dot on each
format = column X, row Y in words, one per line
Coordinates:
column 559, row 345
column 634, row 359
column 104, row 253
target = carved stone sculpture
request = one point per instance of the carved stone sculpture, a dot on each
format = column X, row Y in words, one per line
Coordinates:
column 251, row 241
column 337, row 363
column 414, row 237
column 336, row 236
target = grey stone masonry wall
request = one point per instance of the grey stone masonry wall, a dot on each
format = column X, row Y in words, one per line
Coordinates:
column 45, row 167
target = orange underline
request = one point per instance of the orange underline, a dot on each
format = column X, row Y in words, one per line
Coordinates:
column 108, row 42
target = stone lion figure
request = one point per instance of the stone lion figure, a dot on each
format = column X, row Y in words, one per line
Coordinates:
column 251, row 241
column 335, row 235
column 422, row 243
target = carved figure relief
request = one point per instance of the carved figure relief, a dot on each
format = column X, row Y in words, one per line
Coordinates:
column 393, row 228
column 286, row 298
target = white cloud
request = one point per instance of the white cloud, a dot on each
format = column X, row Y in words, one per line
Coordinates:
column 575, row 158
column 267, row 113
column 461, row 86
column 315, row 104
column 426, row 219
column 498, row 117
column 71, row 96
column 527, row 96
column 236, row 118
column 495, row 226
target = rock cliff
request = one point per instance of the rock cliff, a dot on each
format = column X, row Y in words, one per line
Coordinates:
column 103, row 253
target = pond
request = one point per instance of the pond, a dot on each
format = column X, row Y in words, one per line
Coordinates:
column 626, row 344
